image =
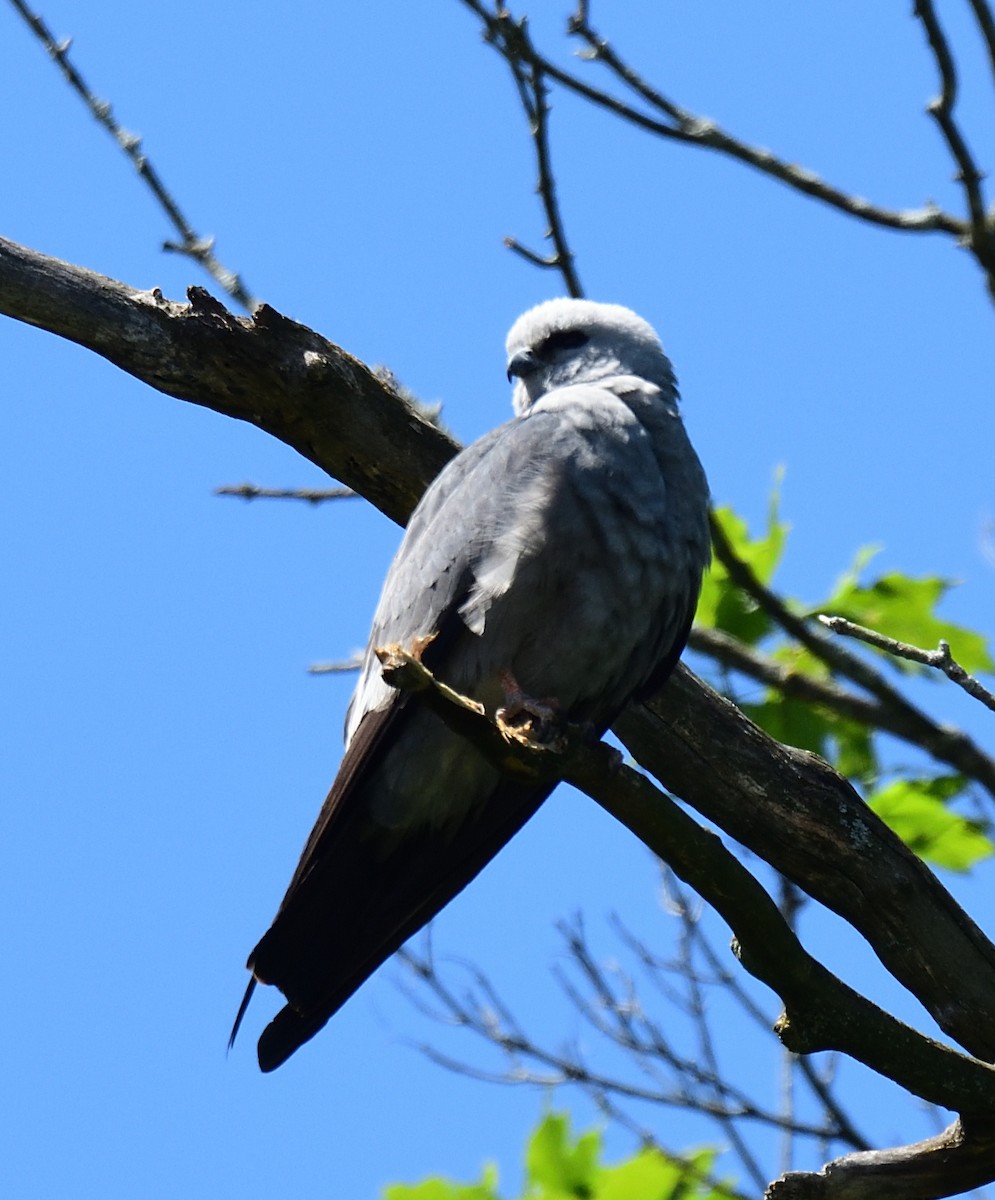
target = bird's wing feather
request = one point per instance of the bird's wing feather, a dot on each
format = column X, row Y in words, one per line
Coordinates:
column 355, row 898
column 367, row 906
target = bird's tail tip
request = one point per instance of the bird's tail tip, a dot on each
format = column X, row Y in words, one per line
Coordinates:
column 241, row 1012
column 286, row 1033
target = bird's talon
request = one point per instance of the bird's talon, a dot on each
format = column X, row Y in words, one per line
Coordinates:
column 526, row 719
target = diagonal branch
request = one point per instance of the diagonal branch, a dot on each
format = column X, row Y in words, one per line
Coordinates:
column 735, row 655
column 788, row 806
column 942, row 111
column 941, row 658
column 804, row 819
column 986, row 24
column 821, row 1011
column 191, row 244
column 532, row 92
column 267, row 370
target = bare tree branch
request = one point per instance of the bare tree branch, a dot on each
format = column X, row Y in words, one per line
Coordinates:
column 821, row 1011
column 704, row 1068
column 510, row 37
column 793, row 810
column 956, row 1160
column 684, row 1084
column 191, row 244
column 249, row 491
column 986, row 24
column 941, row 658
column 302, row 389
column 345, row 667
column 843, row 1128
column 786, row 805
column 532, row 92
column 942, row 111
column 266, row 370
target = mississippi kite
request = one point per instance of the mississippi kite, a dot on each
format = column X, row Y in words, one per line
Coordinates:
column 564, row 550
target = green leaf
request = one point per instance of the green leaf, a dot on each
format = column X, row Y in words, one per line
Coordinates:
column 846, row 744
column 851, row 576
column 723, row 605
column 649, row 1176
column 916, row 809
column 560, row 1168
column 855, row 756
column 445, row 1189
column 790, row 721
column 653, row 1175
column 556, row 1167
column 905, row 609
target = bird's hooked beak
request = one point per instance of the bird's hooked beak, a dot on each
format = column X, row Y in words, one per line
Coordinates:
column 522, row 363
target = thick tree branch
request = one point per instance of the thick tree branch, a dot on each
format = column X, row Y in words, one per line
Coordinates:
column 786, row 805
column 803, row 818
column 957, row 1160
column 821, row 1012
column 267, row 370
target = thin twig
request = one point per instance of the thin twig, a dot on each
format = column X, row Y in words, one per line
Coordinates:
column 986, row 23
column 636, row 1032
column 532, row 93
column 941, row 658
column 491, row 1021
column 842, row 1128
column 192, row 244
column 942, row 111
column 710, row 1056
column 512, row 41
column 345, row 666
column 249, row 491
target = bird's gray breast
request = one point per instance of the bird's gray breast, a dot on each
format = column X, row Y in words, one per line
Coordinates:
column 588, row 559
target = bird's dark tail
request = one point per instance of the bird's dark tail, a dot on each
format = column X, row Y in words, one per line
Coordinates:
column 287, row 1032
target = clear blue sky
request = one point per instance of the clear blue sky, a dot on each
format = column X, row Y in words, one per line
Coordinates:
column 164, row 751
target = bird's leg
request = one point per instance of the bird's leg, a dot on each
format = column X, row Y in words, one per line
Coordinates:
column 524, row 717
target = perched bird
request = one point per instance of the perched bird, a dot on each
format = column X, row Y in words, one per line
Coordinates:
column 562, row 551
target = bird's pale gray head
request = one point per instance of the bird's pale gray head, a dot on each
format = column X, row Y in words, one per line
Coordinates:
column 562, row 342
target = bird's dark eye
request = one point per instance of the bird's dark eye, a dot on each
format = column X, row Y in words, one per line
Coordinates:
column 562, row 339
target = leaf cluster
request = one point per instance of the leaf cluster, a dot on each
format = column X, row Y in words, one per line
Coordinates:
column 920, row 807
column 559, row 1166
